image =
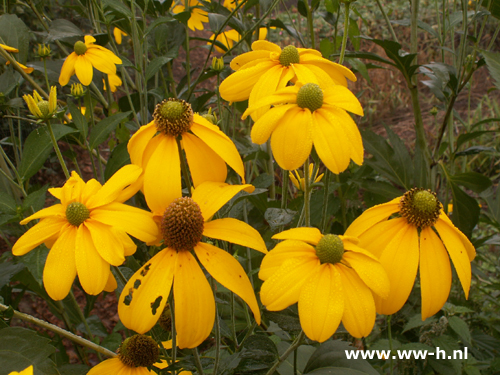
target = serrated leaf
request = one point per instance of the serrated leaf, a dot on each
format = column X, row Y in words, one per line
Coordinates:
column 448, row 344
column 79, row 119
column 8, row 270
column 304, row 352
column 461, row 328
column 278, row 216
column 7, row 204
column 62, row 28
column 286, row 319
column 38, row 147
column 416, row 321
column 104, row 128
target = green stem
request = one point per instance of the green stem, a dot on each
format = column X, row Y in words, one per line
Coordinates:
column 310, row 24
column 307, row 196
column 197, row 361
column 387, row 21
column 342, row 203
column 108, row 91
column 233, row 321
column 184, row 167
column 285, row 355
column 270, row 167
column 217, row 334
column 346, row 30
column 46, row 75
column 326, row 192
column 389, row 332
column 51, row 327
column 57, row 150
column 284, row 189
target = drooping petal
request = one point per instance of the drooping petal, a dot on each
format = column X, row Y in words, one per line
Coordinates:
column 220, row 143
column 194, row 302
column 93, row 270
column 46, row 229
column 287, row 95
column 106, row 243
column 100, row 60
column 321, row 303
column 282, row 252
column 304, row 75
column 309, row 235
column 146, row 292
column 235, row 231
column 60, row 267
column 435, row 273
column 377, row 237
column 283, row 288
column 342, row 97
column 204, row 163
column 353, row 247
column 211, row 196
column 139, row 141
column 292, row 139
column 400, row 261
column 337, row 72
column 229, row 272
column 264, row 45
column 111, row 284
column 84, row 70
column 129, row 247
column 262, row 129
column 240, row 61
column 56, row 211
column 106, row 53
column 458, row 253
column 471, row 251
column 265, row 86
column 68, row 69
column 162, row 176
column 359, row 307
column 89, row 40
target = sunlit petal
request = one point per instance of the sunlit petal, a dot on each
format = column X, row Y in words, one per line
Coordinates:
column 235, row 231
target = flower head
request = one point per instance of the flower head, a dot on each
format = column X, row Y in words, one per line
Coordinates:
column 227, row 38
column 118, row 35
column 184, row 223
column 40, row 108
column 154, row 148
column 268, row 68
column 84, row 58
column 77, row 90
column 198, row 15
column 420, row 237
column 330, row 277
column 28, row 371
column 87, row 232
column 308, row 114
column 44, row 51
column 297, row 177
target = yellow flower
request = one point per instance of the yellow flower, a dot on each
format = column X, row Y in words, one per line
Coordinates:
column 114, row 81
column 9, row 49
column 44, row 51
column 87, row 232
column 230, row 4
column 422, row 237
column 198, row 15
column 308, row 114
column 85, row 57
column 77, row 90
column 118, row 35
column 40, row 108
column 228, row 38
column 267, row 68
column 15, row 50
column 185, row 221
column 331, row 278
column 154, row 148
column 298, row 180
column 28, row 371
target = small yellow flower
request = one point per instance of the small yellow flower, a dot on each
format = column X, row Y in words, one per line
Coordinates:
column 118, row 35
column 28, row 371
column 298, row 179
column 77, row 90
column 85, row 57
column 227, row 38
column 218, row 64
column 44, row 51
column 230, row 4
column 198, row 15
column 420, row 238
column 40, row 108
column 87, row 232
column 331, row 277
column 114, row 82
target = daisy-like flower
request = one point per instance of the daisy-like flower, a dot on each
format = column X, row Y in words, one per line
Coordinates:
column 85, row 57
column 117, row 33
column 28, row 371
column 185, row 221
column 420, row 237
column 155, row 149
column 297, row 177
column 308, row 114
column 114, row 82
column 331, row 278
column 228, row 38
column 40, row 108
column 198, row 15
column 268, row 68
column 87, row 232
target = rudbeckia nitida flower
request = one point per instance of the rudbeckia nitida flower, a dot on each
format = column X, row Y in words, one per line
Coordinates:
column 87, row 232
column 421, row 237
column 84, row 58
column 154, row 148
column 330, row 277
column 198, row 15
column 185, row 221
column 28, row 371
column 227, row 38
column 40, row 108
column 267, row 68
column 307, row 115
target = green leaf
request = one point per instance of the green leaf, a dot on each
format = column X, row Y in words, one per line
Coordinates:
column 353, row 33
column 464, row 138
column 461, row 328
column 448, row 344
column 336, row 371
column 155, row 65
column 278, row 216
column 420, row 24
column 35, row 261
column 15, row 33
column 304, row 352
column 326, row 48
column 79, row 119
column 216, row 21
column 493, row 63
column 104, row 128
column 472, row 180
column 95, row 325
column 119, row 157
column 475, row 150
column 73, row 369
column 8, row 81
column 112, row 341
column 287, row 320
column 8, row 270
column 62, row 28
column 7, row 204
column 36, row 199
column 21, row 347
column 258, row 354
column 465, row 209
column 416, row 321
column 38, row 147
column 494, row 7
column 118, row 6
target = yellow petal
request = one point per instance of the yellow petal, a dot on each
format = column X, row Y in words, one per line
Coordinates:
column 229, row 272
column 372, row 216
column 84, row 70
column 435, row 273
column 56, row 210
column 304, row 74
column 93, row 271
column 292, row 140
column 342, row 97
column 359, row 307
column 89, row 40
column 235, row 231
column 111, row 284
column 162, row 176
column 129, row 247
column 53, row 99
column 458, row 253
column 283, row 251
column 32, row 106
column 287, row 95
column 321, row 303
column 264, row 45
column 309, row 235
column 471, row 251
column 131, row 190
column 106, row 53
column 101, row 61
column 68, row 69
column 60, row 268
column 220, row 143
column 139, row 141
column 400, row 261
column 321, row 76
column 370, row 271
column 265, row 86
column 9, row 49
column 194, row 302
column 146, row 292
column 376, row 238
column 106, row 243
column 118, row 35
column 211, row 196
column 91, row 188
column 239, row 61
column 351, row 244
column 283, row 288
column 262, row 129
column 46, row 229
column 337, row 72
column 204, row 163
